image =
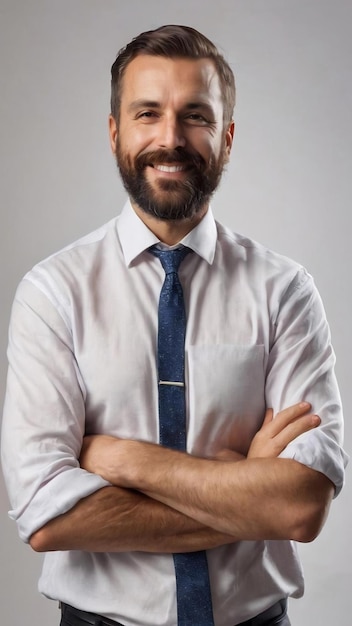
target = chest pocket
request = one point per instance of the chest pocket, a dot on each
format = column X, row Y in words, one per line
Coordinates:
column 226, row 391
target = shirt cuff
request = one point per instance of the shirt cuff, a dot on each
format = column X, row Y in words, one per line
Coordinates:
column 317, row 450
column 58, row 496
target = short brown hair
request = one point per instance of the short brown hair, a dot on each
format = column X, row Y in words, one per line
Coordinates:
column 173, row 41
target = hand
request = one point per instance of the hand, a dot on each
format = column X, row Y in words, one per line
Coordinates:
column 276, row 434
column 98, row 453
column 112, row 457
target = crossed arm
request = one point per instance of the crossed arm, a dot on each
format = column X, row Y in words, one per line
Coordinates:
column 166, row 501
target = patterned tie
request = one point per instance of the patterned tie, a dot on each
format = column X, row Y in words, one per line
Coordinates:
column 194, row 606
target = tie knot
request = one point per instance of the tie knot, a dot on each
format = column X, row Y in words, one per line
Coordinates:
column 170, row 259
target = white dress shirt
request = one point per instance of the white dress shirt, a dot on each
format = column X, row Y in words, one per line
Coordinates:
column 82, row 359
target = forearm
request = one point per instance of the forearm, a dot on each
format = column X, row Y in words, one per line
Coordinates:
column 252, row 499
column 119, row 520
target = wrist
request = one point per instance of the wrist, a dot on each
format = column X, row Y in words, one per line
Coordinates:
column 132, row 460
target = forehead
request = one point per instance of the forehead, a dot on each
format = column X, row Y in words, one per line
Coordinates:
column 158, row 78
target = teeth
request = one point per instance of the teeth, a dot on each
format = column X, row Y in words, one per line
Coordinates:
column 171, row 168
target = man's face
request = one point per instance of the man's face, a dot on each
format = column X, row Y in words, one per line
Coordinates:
column 169, row 142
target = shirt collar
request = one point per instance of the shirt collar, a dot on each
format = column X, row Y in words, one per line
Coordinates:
column 135, row 236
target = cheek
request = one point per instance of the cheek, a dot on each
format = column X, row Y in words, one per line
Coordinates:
column 136, row 140
column 206, row 144
column 209, row 150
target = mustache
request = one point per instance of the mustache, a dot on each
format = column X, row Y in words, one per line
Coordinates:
column 179, row 155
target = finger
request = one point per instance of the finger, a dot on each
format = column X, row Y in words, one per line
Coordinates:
column 296, row 428
column 288, row 416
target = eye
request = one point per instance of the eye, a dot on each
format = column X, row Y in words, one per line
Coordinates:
column 146, row 115
column 197, row 119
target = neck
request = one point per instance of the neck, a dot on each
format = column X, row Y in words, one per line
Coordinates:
column 169, row 232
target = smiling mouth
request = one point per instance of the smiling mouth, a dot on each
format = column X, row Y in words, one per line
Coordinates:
column 170, row 168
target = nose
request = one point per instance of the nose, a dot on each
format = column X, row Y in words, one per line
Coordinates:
column 171, row 134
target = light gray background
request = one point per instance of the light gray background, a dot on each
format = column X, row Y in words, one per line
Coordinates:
column 288, row 185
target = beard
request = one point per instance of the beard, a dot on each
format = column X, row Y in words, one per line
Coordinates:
column 170, row 199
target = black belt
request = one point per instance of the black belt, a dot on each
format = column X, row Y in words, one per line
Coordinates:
column 273, row 615
column 75, row 617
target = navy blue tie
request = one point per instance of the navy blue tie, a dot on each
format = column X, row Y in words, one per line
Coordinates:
column 194, row 607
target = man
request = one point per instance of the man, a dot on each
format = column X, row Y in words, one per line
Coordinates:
column 92, row 479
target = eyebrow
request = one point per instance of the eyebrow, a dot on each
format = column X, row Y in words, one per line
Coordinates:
column 197, row 105
column 143, row 104
column 154, row 104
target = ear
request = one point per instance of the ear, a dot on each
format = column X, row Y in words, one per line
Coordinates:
column 229, row 135
column 113, row 133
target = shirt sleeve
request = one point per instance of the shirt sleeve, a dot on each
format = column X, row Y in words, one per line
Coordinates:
column 44, row 414
column 301, row 368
